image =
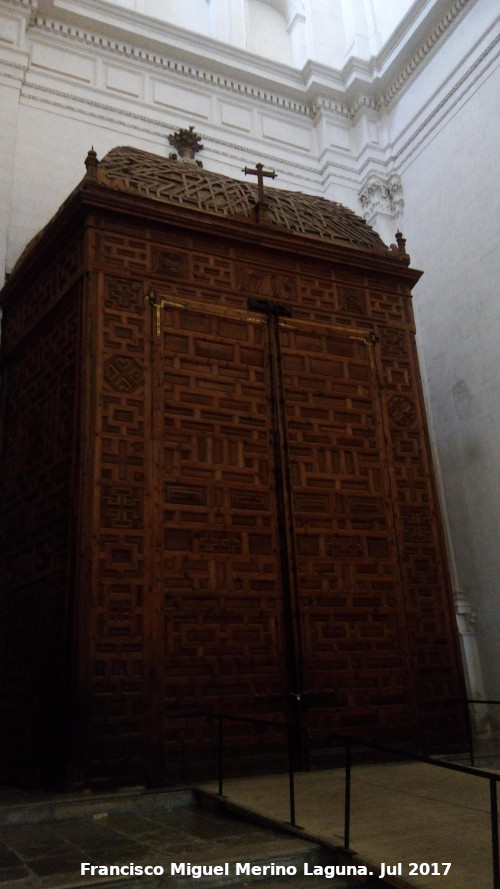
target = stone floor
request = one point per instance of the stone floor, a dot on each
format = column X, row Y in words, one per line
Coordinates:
column 400, row 813
column 45, row 841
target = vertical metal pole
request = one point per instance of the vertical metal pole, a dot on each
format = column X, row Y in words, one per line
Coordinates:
column 347, row 802
column 291, row 777
column 220, row 754
column 470, row 736
column 494, row 833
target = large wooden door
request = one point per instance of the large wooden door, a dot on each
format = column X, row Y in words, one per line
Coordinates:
column 355, row 657
column 277, row 561
column 224, row 645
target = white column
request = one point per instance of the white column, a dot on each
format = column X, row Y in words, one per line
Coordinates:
column 298, row 39
column 466, row 620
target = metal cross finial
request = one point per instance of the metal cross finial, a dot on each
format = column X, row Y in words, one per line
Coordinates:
column 260, row 173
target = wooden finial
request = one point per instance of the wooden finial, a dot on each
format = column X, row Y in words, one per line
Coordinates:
column 401, row 242
column 91, row 163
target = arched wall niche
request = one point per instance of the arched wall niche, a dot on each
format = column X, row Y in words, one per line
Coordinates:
column 194, row 15
column 267, row 28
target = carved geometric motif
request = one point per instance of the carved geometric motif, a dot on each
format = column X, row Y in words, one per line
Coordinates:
column 125, row 253
column 122, row 374
column 351, row 299
column 212, row 271
column 348, row 584
column 393, row 341
column 170, row 262
column 265, row 284
column 387, row 307
column 123, row 294
column 417, row 525
column 44, row 293
column 402, row 410
column 347, row 547
column 121, row 518
column 121, row 507
column 219, row 542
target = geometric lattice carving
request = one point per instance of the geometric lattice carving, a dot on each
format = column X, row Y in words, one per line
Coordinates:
column 417, row 525
column 351, row 300
column 122, row 374
column 394, row 341
column 219, row 541
column 170, row 262
column 185, row 184
column 402, row 410
column 265, row 284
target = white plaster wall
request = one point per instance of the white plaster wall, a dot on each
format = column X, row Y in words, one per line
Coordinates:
column 388, row 14
column 452, row 213
column 9, row 109
column 47, row 168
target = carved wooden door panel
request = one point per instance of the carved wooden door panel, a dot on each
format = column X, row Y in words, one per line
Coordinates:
column 354, row 641
column 223, row 643
column 276, row 556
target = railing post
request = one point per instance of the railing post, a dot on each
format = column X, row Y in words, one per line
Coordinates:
column 220, row 763
column 291, row 776
column 494, row 833
column 347, row 801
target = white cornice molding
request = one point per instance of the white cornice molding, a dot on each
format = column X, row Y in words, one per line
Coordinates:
column 361, row 85
column 402, row 71
column 123, row 30
column 165, row 62
column 450, row 100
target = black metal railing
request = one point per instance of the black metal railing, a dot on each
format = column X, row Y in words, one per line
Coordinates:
column 469, row 722
column 293, row 737
column 491, row 777
column 293, row 740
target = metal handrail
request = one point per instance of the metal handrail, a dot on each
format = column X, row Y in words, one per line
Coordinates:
column 479, row 701
column 469, row 730
column 291, row 732
column 492, row 777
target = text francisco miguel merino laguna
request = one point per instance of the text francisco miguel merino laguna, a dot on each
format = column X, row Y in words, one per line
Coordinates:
column 239, row 868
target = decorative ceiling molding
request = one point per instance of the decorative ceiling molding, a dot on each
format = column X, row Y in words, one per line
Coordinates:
column 424, row 50
column 360, row 86
column 168, row 64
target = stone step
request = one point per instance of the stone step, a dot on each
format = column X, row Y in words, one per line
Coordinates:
column 43, row 845
column 22, row 807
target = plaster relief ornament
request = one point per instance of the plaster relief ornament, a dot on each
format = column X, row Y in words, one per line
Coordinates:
column 187, row 143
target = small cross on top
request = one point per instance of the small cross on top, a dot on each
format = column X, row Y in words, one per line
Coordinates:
column 260, row 173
